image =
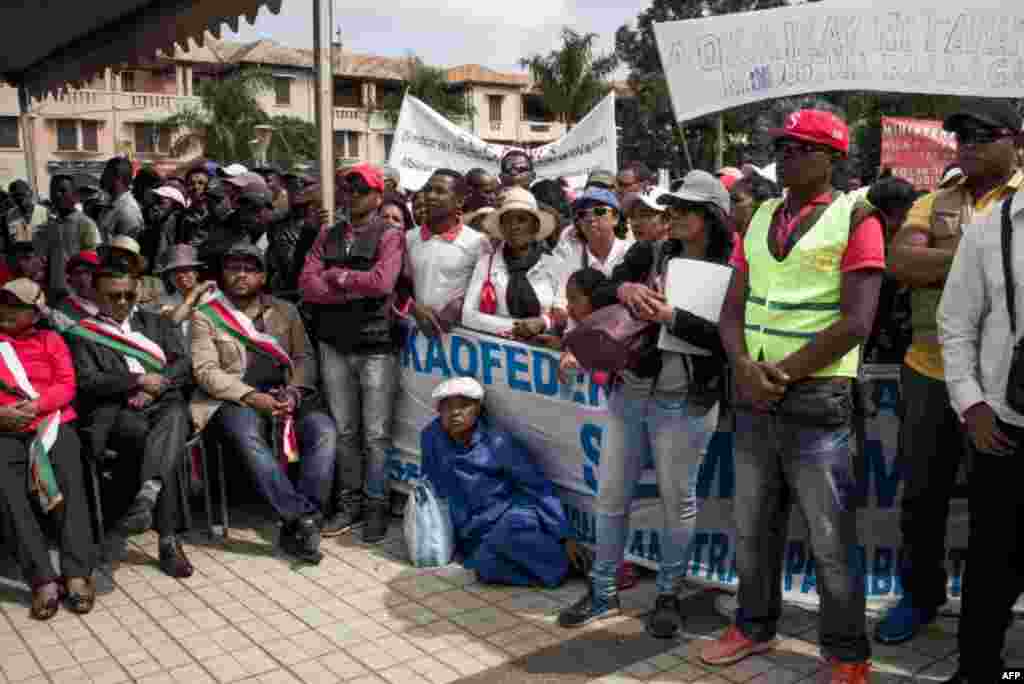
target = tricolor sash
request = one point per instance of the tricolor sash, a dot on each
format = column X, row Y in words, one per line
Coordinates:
column 225, row 316
column 82, row 308
column 42, row 482
column 133, row 344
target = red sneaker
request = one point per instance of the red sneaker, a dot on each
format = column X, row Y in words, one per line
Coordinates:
column 732, row 647
column 849, row 673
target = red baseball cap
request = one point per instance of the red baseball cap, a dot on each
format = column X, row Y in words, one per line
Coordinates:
column 371, row 175
column 86, row 258
column 815, row 126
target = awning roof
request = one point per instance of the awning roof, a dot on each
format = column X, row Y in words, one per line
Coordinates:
column 49, row 44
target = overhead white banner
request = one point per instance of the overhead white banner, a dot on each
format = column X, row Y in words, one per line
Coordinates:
column 426, row 141
column 911, row 47
column 566, row 428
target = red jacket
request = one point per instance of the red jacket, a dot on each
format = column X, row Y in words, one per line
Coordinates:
column 49, row 368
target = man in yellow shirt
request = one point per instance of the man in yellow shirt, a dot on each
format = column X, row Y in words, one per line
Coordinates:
column 932, row 441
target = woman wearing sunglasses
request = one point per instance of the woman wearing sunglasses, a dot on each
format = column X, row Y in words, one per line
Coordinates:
column 660, row 406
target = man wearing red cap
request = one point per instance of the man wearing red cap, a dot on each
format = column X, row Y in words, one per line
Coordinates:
column 801, row 303
column 350, row 277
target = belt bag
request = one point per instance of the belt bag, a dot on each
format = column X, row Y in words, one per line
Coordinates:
column 1015, row 381
column 820, row 403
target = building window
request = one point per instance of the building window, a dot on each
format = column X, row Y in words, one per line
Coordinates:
column 128, row 81
column 9, row 132
column 67, row 135
column 346, row 144
column 91, row 136
column 388, row 139
column 152, row 139
column 282, row 91
column 494, row 103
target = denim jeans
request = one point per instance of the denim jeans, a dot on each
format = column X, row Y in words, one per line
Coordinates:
column 360, row 391
column 667, row 427
column 779, row 462
column 248, row 432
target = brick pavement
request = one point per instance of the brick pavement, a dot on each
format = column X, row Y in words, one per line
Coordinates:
column 365, row 615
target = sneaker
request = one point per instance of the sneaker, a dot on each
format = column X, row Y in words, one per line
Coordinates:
column 588, row 609
column 348, row 515
column 665, row 621
column 138, row 519
column 903, row 622
column 732, row 647
column 173, row 560
column 376, row 524
column 302, row 540
column 849, row 673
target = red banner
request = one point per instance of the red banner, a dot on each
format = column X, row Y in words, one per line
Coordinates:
column 917, row 150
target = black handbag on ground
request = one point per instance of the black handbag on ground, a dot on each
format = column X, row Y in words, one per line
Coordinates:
column 1015, row 381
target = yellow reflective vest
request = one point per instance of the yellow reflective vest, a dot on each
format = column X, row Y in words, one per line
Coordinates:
column 791, row 301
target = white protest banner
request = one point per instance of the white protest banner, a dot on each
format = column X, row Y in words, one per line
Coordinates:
column 426, row 141
column 716, row 63
column 566, row 428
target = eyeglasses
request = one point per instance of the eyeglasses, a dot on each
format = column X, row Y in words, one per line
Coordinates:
column 792, row 148
column 122, row 297
column 982, row 136
column 679, row 210
column 598, row 212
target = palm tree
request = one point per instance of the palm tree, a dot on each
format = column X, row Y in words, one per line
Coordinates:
column 222, row 125
column 429, row 84
column 571, row 80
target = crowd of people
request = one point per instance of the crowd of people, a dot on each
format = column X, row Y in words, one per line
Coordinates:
column 146, row 310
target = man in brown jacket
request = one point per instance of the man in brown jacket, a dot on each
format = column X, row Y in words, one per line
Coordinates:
column 256, row 372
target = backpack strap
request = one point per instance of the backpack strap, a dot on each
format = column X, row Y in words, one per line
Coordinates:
column 1006, row 241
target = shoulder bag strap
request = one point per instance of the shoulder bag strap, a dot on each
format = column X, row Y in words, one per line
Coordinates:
column 1006, row 240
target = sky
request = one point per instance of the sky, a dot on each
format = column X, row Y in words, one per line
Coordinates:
column 450, row 32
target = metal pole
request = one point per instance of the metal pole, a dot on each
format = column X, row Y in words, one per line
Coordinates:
column 323, row 25
column 28, row 133
column 719, row 142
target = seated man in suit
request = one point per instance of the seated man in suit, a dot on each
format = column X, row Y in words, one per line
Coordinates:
column 133, row 370
column 256, row 373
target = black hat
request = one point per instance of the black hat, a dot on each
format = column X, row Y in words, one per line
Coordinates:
column 991, row 113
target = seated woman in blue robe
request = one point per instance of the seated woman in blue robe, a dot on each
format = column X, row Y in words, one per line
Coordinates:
column 509, row 524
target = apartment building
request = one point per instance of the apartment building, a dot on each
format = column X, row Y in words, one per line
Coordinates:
column 119, row 112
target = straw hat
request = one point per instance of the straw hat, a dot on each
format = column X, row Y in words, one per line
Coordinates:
column 518, row 199
column 125, row 247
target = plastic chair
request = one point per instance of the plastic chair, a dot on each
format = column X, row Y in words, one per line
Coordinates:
column 207, row 444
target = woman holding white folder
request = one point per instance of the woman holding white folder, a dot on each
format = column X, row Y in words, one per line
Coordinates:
column 659, row 405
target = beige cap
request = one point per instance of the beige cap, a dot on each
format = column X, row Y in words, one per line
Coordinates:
column 126, row 246
column 26, row 291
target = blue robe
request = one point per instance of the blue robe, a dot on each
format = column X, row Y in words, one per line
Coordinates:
column 509, row 524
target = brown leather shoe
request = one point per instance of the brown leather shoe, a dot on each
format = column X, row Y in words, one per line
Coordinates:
column 44, row 607
column 174, row 562
column 81, row 595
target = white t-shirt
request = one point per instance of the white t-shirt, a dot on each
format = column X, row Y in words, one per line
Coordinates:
column 545, row 277
column 442, row 265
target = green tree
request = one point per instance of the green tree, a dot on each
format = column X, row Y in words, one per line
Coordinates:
column 571, row 79
column 430, row 85
column 295, row 141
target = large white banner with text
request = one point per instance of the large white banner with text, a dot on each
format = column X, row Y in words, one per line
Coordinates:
column 565, row 428
column 916, row 46
column 425, row 141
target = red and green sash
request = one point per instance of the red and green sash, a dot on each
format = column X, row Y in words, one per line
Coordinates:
column 134, row 344
column 229, row 319
column 42, row 482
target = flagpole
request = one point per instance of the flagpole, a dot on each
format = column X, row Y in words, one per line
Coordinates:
column 323, row 24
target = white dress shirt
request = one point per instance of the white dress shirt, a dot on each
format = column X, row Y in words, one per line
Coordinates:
column 974, row 325
column 442, row 265
column 545, row 276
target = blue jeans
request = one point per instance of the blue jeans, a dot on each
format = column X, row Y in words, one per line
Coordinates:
column 668, row 428
column 780, row 462
column 360, row 391
column 248, row 432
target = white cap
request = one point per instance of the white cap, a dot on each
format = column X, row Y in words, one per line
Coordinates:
column 458, row 387
column 649, row 199
column 170, row 193
column 235, row 170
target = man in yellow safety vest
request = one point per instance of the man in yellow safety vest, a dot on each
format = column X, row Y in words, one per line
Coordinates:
column 802, row 301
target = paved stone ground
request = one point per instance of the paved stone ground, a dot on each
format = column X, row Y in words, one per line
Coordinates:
column 365, row 615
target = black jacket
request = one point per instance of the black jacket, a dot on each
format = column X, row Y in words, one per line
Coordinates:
column 105, row 384
column 708, row 372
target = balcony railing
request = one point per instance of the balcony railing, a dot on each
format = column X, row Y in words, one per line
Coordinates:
column 74, row 103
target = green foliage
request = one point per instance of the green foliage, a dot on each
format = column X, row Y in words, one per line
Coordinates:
column 429, row 84
column 295, row 141
column 571, row 79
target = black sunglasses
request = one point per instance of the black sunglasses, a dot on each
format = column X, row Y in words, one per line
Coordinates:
column 982, row 136
column 122, row 297
column 793, row 148
column 596, row 211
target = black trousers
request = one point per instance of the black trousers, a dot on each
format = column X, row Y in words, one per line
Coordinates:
column 150, row 444
column 932, row 447
column 994, row 576
column 71, row 518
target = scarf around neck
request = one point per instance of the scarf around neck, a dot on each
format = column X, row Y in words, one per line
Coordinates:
column 520, row 296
